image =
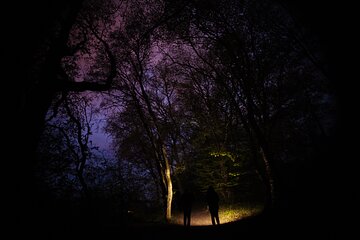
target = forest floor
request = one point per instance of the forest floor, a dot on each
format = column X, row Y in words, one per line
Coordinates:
column 262, row 226
column 282, row 224
column 258, row 226
column 200, row 215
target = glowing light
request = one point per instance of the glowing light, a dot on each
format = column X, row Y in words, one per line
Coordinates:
column 201, row 216
column 223, row 154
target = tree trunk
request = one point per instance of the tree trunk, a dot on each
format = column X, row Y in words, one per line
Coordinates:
column 269, row 183
column 84, row 186
column 268, row 161
column 169, row 196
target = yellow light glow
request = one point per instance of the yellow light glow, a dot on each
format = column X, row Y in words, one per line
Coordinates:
column 201, row 216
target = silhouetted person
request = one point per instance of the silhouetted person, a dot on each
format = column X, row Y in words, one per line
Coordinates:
column 212, row 199
column 186, row 204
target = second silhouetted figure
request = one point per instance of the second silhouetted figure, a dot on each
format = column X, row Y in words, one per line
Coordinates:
column 186, row 204
column 212, row 199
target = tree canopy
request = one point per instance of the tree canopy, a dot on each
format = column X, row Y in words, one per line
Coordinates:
column 230, row 94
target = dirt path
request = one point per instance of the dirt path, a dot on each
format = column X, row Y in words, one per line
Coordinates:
column 200, row 216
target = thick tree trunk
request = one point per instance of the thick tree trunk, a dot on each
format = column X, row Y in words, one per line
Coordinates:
column 31, row 40
column 169, row 196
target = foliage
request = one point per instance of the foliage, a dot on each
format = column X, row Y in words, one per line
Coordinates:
column 221, row 93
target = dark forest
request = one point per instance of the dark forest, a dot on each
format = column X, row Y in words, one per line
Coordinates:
column 121, row 116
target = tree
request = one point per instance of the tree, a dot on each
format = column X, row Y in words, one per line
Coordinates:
column 133, row 55
column 73, row 126
column 203, row 84
column 38, row 62
column 243, row 52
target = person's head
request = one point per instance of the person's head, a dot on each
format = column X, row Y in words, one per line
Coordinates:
column 211, row 189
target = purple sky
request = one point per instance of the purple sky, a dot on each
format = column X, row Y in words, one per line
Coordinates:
column 101, row 139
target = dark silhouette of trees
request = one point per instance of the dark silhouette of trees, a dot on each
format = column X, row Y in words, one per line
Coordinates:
column 269, row 80
column 136, row 87
column 264, row 71
column 39, row 48
column 73, row 129
column 194, row 89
